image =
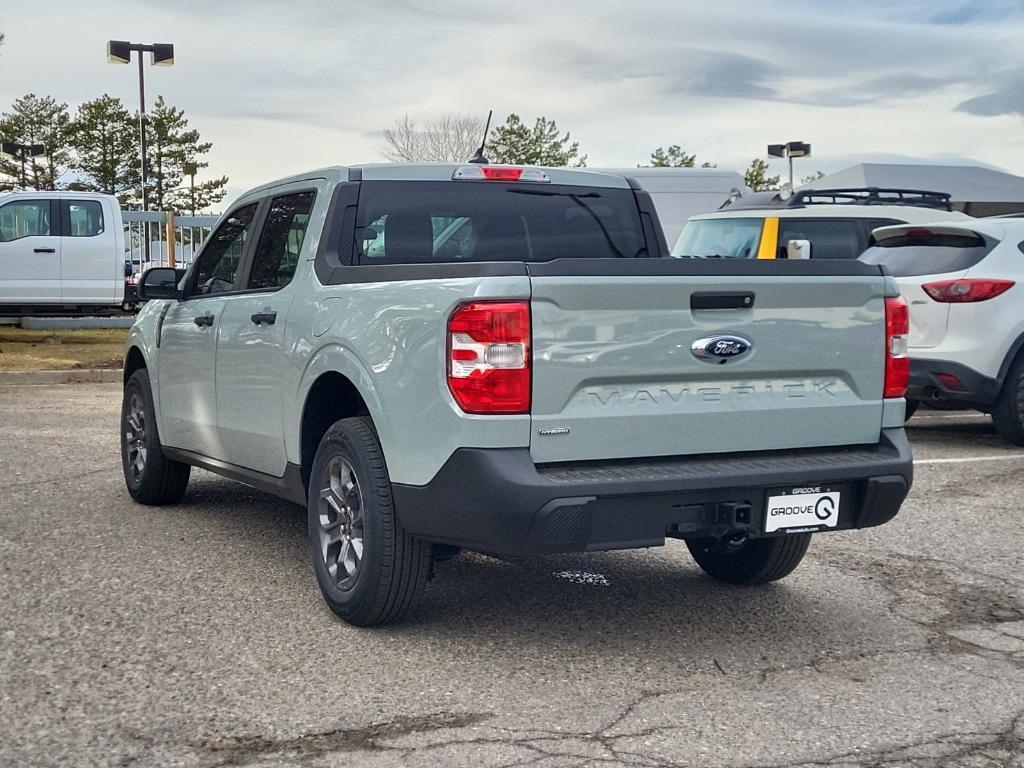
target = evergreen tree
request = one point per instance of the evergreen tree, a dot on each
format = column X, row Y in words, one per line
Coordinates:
column 37, row 120
column 757, row 179
column 173, row 152
column 515, row 142
column 673, row 157
column 105, row 139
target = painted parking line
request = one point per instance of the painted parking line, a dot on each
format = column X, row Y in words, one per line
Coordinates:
column 969, row 459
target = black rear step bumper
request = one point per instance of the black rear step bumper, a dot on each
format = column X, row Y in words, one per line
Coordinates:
column 497, row 500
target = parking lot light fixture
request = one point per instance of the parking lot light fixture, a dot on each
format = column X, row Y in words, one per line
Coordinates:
column 161, row 54
column 790, row 150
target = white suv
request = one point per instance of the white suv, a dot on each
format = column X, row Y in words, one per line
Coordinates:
column 966, row 315
column 811, row 223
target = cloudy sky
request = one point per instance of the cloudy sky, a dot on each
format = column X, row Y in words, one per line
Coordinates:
column 283, row 87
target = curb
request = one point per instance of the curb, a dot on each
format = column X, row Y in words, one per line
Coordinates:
column 60, row 323
column 72, row 376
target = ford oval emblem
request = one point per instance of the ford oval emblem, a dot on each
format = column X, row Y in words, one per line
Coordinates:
column 720, row 349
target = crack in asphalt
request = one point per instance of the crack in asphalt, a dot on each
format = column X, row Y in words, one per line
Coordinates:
column 997, row 745
column 240, row 751
column 904, row 577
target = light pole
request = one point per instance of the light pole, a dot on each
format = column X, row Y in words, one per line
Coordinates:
column 790, row 150
column 162, row 54
column 24, row 151
column 191, row 169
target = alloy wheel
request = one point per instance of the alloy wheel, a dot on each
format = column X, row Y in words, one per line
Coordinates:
column 135, row 437
column 340, row 517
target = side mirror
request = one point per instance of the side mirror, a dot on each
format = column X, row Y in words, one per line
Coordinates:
column 159, row 283
column 798, row 249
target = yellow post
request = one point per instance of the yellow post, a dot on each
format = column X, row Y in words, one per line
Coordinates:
column 769, row 248
column 169, row 223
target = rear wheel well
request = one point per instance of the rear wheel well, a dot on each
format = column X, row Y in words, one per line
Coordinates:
column 332, row 397
column 134, row 361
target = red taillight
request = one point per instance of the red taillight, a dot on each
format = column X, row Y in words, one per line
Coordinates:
column 897, row 364
column 966, row 290
column 489, row 356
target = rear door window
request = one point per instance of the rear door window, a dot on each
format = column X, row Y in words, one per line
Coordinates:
column 936, row 254
column 84, row 218
column 439, row 222
column 829, row 238
column 277, row 254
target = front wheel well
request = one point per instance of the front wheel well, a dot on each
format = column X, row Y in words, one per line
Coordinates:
column 133, row 361
column 332, row 397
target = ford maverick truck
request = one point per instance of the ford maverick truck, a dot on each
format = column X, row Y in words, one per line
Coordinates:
column 507, row 359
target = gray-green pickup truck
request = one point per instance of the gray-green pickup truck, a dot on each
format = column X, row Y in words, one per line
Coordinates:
column 507, row 359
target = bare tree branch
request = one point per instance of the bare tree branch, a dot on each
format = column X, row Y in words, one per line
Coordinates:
column 451, row 138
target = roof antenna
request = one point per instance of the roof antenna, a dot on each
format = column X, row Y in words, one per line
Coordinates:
column 479, row 156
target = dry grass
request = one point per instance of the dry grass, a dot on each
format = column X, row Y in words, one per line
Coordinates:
column 53, row 350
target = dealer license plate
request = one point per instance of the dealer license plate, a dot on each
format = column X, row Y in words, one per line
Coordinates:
column 804, row 507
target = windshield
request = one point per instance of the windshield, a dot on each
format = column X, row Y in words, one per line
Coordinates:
column 719, row 238
column 433, row 221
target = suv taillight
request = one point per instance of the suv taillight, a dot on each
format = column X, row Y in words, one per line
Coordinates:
column 966, row 290
column 897, row 364
column 489, row 356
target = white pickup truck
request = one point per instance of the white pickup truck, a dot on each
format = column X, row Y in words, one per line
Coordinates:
column 60, row 251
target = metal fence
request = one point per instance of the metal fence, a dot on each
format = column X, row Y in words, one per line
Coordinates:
column 170, row 239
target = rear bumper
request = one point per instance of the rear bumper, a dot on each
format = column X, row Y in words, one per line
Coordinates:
column 498, row 500
column 976, row 390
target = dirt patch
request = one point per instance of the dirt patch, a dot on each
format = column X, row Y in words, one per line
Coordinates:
column 59, row 350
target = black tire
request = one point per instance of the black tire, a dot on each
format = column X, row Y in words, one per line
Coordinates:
column 912, row 406
column 1008, row 411
column 754, row 561
column 152, row 479
column 391, row 567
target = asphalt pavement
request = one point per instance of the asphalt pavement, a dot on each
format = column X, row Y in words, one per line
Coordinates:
column 194, row 635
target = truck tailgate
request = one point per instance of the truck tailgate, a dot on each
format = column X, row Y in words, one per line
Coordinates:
column 615, row 375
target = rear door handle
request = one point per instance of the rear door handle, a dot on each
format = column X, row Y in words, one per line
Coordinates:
column 722, row 300
column 264, row 317
column 203, row 320
column 44, row 250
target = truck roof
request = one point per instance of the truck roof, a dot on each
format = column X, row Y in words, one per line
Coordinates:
column 438, row 172
column 58, row 193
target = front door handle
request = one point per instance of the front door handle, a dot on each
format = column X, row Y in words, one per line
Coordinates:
column 203, row 320
column 264, row 317
column 44, row 250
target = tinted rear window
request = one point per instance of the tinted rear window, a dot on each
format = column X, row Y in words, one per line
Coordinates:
column 435, row 221
column 936, row 254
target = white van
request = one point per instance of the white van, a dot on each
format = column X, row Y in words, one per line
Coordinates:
column 60, row 251
column 680, row 193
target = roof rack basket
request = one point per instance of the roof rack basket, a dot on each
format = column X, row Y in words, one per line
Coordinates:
column 870, row 196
